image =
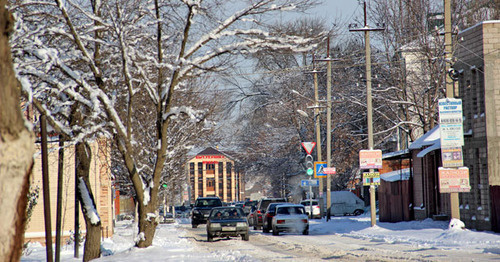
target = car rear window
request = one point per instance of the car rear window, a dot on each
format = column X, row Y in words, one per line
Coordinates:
column 290, row 210
column 208, row 203
column 306, row 203
column 227, row 213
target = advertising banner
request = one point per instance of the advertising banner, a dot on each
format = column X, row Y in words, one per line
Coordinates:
column 452, row 157
column 450, row 122
column 371, row 178
column 454, row 180
column 370, row 159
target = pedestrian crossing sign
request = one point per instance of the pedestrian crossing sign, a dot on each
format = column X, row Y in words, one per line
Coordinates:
column 318, row 170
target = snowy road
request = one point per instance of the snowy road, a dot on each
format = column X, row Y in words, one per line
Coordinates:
column 319, row 247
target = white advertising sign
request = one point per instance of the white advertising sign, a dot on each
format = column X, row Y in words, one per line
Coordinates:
column 450, row 122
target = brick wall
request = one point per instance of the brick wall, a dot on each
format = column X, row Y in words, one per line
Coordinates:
column 477, row 54
column 100, row 184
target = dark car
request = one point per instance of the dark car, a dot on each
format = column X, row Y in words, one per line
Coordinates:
column 258, row 214
column 227, row 222
column 268, row 216
column 249, row 206
column 202, row 208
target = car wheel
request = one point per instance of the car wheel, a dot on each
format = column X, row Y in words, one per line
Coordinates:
column 265, row 229
column 275, row 232
column 306, row 231
column 254, row 227
column 245, row 237
column 210, row 238
column 358, row 212
column 194, row 225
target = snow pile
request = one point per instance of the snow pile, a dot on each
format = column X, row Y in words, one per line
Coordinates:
column 456, row 224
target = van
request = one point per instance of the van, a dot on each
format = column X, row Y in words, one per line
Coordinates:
column 346, row 203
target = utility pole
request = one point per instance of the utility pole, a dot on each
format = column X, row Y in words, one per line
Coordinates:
column 46, row 188
column 318, row 126
column 454, row 201
column 366, row 29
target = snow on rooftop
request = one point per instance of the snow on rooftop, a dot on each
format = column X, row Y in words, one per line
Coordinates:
column 397, row 175
column 428, row 139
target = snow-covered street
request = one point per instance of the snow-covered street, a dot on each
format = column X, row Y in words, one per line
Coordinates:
column 342, row 238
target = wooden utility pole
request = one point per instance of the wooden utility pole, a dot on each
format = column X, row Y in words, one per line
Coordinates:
column 46, row 188
column 60, row 174
column 454, row 201
column 366, row 29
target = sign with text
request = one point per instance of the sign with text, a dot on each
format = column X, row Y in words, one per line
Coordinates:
column 319, row 169
column 311, row 182
column 450, row 122
column 330, row 170
column 371, row 178
column 370, row 159
column 454, row 180
column 452, row 157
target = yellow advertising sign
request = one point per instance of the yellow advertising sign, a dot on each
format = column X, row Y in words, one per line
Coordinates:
column 371, row 178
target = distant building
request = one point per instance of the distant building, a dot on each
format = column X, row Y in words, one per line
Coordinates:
column 213, row 173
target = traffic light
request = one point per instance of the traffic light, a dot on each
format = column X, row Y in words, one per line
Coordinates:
column 164, row 185
column 309, row 165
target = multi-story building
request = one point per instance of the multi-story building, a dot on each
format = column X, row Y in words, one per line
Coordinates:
column 477, row 70
column 213, row 173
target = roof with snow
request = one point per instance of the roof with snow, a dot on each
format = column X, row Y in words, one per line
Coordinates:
column 396, row 175
column 209, row 151
column 431, row 140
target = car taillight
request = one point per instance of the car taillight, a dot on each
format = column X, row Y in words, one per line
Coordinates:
column 304, row 220
column 258, row 211
column 280, row 221
column 269, row 215
column 316, row 206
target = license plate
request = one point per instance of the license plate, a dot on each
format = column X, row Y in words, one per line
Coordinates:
column 206, row 215
column 229, row 229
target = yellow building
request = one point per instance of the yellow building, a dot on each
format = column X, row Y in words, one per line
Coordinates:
column 212, row 173
column 100, row 180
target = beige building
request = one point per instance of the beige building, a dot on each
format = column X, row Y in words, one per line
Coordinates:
column 478, row 77
column 212, row 173
column 100, row 177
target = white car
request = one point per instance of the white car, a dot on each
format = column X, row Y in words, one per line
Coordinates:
column 316, row 210
column 290, row 218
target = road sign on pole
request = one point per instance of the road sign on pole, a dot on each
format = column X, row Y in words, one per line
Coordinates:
column 309, row 182
column 308, row 146
column 319, row 167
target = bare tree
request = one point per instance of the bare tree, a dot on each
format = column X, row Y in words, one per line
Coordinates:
column 148, row 52
column 16, row 150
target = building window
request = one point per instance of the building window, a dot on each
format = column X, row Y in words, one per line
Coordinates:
column 211, row 166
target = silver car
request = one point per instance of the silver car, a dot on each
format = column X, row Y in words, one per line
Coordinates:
column 290, row 218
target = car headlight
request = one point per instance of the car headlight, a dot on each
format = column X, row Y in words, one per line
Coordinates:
column 241, row 224
column 197, row 212
column 215, row 225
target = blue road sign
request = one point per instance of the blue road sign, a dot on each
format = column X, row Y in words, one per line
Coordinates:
column 307, row 182
column 318, row 170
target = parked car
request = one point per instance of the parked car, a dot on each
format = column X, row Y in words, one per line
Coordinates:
column 258, row 214
column 268, row 216
column 346, row 203
column 227, row 222
column 316, row 209
column 202, row 208
column 290, row 218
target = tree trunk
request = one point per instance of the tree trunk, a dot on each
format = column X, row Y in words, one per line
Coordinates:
column 16, row 151
column 147, row 226
column 92, row 248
